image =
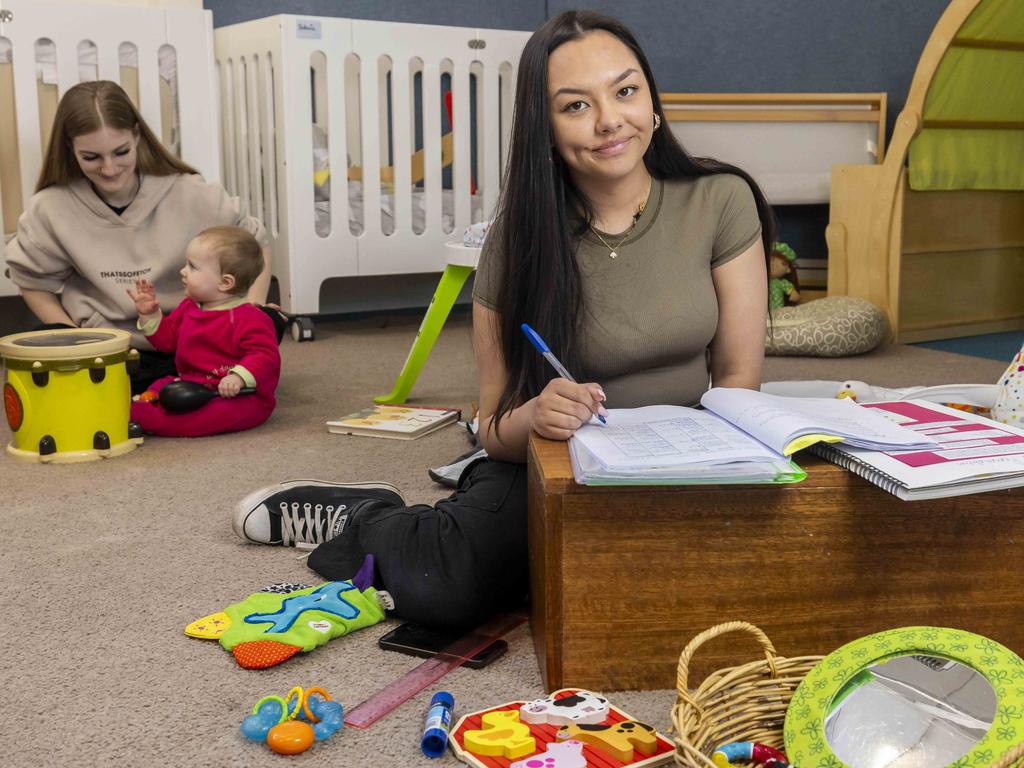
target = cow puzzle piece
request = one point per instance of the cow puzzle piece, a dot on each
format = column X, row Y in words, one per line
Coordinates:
column 580, row 707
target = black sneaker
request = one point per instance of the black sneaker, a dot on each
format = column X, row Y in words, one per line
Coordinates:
column 305, row 512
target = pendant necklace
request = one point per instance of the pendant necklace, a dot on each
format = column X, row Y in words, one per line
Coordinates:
column 613, row 249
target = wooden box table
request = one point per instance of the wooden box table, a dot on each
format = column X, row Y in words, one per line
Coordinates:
column 622, row 578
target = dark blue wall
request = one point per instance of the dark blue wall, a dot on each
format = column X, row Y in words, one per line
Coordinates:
column 517, row 14
column 731, row 46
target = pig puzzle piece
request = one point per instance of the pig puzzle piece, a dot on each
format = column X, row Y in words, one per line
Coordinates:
column 618, row 739
column 502, row 735
column 271, row 626
column 559, row 754
column 580, row 707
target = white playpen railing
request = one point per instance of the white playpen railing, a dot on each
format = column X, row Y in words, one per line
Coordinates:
column 360, row 79
column 103, row 30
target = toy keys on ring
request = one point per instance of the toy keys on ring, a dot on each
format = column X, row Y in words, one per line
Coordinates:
column 274, row 721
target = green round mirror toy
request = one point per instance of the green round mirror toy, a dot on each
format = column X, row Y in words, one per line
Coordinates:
column 916, row 697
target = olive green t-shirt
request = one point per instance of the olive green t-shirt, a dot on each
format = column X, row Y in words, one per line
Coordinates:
column 650, row 314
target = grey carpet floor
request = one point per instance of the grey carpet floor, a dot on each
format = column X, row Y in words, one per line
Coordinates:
column 104, row 564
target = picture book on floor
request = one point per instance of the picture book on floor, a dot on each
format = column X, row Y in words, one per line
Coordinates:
column 973, row 453
column 395, row 421
column 741, row 436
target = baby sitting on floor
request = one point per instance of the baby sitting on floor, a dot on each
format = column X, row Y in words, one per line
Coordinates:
column 218, row 338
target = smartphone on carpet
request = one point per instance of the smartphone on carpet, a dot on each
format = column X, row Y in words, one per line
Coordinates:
column 415, row 640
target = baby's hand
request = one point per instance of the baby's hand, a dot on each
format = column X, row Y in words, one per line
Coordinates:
column 230, row 385
column 144, row 297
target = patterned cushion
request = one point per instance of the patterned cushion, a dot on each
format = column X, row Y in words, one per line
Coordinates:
column 835, row 326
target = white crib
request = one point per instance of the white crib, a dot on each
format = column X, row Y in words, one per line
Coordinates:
column 162, row 56
column 334, row 133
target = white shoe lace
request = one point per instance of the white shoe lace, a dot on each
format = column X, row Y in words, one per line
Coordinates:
column 306, row 526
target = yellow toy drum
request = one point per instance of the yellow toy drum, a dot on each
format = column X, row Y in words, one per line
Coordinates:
column 67, row 395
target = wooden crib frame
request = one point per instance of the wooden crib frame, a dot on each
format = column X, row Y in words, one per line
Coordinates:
column 787, row 141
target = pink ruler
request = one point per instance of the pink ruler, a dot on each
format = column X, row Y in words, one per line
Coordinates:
column 430, row 671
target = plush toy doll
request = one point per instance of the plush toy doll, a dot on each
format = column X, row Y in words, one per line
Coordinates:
column 782, row 287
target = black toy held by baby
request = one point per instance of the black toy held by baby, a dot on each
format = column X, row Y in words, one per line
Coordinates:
column 187, row 396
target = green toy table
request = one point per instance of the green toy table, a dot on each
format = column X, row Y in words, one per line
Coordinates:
column 461, row 261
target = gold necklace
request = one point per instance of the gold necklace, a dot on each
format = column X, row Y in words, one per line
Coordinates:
column 613, row 250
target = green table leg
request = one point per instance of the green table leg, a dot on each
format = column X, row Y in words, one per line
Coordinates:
column 452, row 280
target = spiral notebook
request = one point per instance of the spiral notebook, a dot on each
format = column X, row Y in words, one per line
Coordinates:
column 974, row 454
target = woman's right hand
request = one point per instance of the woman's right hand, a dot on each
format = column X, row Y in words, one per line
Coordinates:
column 564, row 406
column 144, row 297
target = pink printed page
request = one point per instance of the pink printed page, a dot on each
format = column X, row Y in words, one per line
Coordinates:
column 962, row 438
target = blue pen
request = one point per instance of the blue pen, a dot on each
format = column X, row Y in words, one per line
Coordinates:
column 541, row 347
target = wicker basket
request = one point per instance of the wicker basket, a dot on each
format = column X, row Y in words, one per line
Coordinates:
column 1012, row 759
column 745, row 703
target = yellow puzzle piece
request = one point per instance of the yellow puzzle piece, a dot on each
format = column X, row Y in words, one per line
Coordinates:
column 502, row 735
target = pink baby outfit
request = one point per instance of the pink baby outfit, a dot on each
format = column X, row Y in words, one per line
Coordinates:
column 207, row 345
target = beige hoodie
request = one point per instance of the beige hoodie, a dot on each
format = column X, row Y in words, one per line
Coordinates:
column 70, row 242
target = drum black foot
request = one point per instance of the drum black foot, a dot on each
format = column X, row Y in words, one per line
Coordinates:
column 47, row 445
column 101, row 441
column 134, row 430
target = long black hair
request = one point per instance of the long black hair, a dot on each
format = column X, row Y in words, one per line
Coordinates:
column 542, row 214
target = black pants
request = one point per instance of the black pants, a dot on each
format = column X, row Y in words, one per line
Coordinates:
column 155, row 365
column 451, row 565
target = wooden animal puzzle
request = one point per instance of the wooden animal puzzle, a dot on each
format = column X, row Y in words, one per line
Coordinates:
column 571, row 728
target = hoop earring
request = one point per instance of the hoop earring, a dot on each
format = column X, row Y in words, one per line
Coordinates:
column 657, row 121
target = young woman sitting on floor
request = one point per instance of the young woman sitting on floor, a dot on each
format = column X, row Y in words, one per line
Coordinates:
column 644, row 270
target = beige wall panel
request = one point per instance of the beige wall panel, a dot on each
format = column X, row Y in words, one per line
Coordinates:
column 10, row 170
column 167, row 116
column 48, row 100
column 130, row 84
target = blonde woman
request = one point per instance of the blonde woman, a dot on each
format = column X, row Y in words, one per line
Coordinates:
column 112, row 205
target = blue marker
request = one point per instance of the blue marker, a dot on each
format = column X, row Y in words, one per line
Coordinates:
column 439, row 720
column 541, row 347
